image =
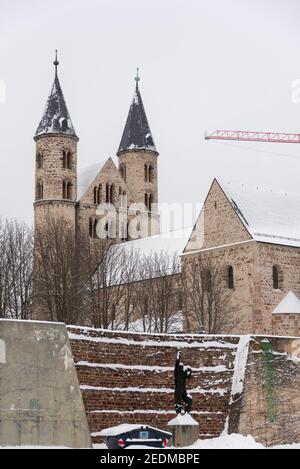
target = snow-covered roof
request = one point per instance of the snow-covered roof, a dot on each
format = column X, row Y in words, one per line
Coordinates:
column 169, row 244
column 172, row 242
column 56, row 118
column 289, row 305
column 125, row 428
column 269, row 216
column 86, row 177
column 137, row 134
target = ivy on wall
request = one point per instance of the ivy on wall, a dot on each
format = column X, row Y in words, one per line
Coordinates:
column 269, row 379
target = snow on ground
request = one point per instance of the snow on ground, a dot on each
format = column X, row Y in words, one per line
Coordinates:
column 225, row 442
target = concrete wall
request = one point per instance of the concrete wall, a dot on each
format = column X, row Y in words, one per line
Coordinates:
column 40, row 399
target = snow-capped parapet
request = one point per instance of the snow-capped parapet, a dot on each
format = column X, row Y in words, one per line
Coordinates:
column 56, row 118
column 240, row 367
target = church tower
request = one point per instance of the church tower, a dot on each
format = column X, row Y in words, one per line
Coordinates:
column 56, row 159
column 138, row 157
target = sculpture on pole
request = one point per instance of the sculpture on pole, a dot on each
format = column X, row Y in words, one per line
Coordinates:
column 183, row 401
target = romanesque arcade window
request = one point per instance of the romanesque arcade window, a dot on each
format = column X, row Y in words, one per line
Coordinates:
column 67, row 159
column 67, row 190
column 98, row 195
column 148, row 173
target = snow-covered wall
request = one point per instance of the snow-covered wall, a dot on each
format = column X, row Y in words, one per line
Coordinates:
column 129, row 378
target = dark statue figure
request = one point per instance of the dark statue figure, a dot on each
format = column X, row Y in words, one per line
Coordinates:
column 183, row 401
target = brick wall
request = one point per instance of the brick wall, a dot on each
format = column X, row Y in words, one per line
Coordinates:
column 128, row 378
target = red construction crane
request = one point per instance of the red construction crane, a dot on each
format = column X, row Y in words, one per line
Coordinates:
column 245, row 136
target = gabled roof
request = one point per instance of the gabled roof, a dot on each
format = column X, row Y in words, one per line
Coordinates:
column 137, row 134
column 86, row 177
column 269, row 216
column 289, row 305
column 56, row 118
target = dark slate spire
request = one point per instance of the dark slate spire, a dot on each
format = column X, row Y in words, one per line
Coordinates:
column 56, row 118
column 137, row 134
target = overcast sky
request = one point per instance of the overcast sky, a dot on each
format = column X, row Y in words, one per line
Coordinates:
column 204, row 65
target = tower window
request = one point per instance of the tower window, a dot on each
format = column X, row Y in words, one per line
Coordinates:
column 148, row 201
column 148, row 173
column 276, row 279
column 67, row 159
column 39, row 161
column 40, row 190
column 123, row 171
column 230, row 278
column 151, row 173
column 67, row 190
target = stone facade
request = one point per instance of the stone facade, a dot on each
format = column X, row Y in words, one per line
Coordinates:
column 220, row 234
column 131, row 189
column 240, row 384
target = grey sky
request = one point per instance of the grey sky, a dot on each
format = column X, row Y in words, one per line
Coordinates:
column 204, row 65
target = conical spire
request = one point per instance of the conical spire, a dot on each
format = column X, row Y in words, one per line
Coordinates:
column 56, row 118
column 137, row 134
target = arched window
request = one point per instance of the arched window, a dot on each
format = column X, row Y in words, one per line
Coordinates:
column 91, row 232
column 123, row 171
column 230, row 278
column 99, row 194
column 95, row 229
column 64, row 159
column 276, row 283
column 112, row 194
column 107, row 193
column 39, row 161
column 40, row 190
column 150, row 202
column 69, row 190
column 146, row 173
column 151, row 173
column 69, row 160
column 95, row 195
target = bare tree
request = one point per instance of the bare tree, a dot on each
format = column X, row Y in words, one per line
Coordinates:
column 104, row 295
column 16, row 264
column 208, row 301
column 59, row 272
column 158, row 292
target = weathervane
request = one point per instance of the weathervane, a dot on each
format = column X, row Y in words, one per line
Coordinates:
column 56, row 62
column 137, row 77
